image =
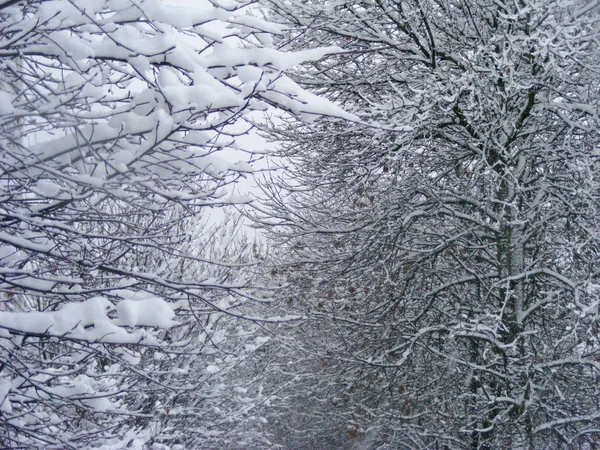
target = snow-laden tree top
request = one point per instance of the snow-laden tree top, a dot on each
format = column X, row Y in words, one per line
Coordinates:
column 119, row 122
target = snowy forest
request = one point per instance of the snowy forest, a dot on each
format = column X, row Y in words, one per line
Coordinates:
column 300, row 224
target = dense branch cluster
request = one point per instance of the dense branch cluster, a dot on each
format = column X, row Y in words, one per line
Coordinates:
column 451, row 238
column 427, row 274
column 119, row 125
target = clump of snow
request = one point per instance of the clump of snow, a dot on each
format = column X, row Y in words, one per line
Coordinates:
column 89, row 320
column 152, row 312
column 212, row 369
column 83, row 388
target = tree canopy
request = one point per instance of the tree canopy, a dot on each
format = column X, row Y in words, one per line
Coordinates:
column 448, row 241
column 427, row 277
column 120, row 123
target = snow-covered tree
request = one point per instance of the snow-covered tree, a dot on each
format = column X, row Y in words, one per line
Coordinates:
column 447, row 242
column 218, row 372
column 118, row 123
